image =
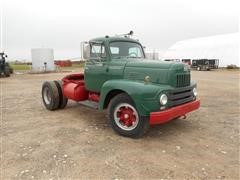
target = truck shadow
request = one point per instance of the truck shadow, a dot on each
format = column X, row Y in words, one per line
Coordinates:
column 172, row 128
column 167, row 130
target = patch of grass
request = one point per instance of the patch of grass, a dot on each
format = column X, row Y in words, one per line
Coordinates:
column 20, row 67
column 26, row 67
column 74, row 67
column 80, row 65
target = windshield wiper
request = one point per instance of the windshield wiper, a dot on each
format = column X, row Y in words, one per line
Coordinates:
column 132, row 57
column 118, row 57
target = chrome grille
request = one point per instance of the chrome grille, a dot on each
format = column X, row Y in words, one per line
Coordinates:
column 181, row 95
column 183, row 80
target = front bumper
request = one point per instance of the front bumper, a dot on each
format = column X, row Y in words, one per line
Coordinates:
column 172, row 113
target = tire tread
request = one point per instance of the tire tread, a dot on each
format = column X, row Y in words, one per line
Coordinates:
column 141, row 128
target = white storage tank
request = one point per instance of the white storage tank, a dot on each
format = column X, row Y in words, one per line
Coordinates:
column 42, row 59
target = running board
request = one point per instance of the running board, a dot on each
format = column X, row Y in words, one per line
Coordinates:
column 90, row 104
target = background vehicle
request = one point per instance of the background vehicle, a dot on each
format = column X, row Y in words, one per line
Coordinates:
column 187, row 61
column 5, row 68
column 205, row 64
column 137, row 92
column 172, row 60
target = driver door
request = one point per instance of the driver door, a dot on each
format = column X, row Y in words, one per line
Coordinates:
column 96, row 67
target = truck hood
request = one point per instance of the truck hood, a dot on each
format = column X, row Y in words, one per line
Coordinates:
column 160, row 72
column 148, row 64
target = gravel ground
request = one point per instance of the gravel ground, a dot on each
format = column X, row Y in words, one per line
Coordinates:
column 78, row 143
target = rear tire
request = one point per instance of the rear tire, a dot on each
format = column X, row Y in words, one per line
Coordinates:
column 63, row 100
column 124, row 118
column 11, row 70
column 50, row 95
column 7, row 71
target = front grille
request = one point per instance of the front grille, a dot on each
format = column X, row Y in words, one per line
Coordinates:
column 183, row 80
column 181, row 95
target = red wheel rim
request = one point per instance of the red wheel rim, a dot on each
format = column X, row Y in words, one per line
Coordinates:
column 126, row 116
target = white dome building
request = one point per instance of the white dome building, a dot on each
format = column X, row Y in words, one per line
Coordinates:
column 222, row 47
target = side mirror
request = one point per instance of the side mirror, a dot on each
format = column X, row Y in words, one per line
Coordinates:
column 85, row 50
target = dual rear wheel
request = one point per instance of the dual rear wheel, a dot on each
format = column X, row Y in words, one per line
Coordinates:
column 52, row 95
column 123, row 115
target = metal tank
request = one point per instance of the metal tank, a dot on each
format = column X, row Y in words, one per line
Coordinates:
column 42, row 59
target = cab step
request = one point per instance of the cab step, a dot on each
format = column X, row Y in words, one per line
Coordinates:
column 90, row 104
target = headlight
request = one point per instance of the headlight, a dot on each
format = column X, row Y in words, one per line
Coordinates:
column 194, row 91
column 163, row 99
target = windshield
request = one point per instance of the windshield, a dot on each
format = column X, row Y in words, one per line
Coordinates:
column 120, row 49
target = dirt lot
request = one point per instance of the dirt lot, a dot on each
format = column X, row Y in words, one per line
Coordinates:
column 77, row 142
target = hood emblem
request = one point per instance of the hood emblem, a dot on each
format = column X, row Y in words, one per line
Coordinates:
column 147, row 79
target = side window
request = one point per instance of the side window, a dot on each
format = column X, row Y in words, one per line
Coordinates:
column 97, row 50
column 114, row 50
column 134, row 51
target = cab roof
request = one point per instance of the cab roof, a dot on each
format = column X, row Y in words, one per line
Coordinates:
column 114, row 38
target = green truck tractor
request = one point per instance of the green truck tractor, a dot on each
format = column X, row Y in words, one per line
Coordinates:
column 5, row 68
column 137, row 92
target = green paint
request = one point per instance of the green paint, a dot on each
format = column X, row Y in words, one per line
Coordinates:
column 107, row 73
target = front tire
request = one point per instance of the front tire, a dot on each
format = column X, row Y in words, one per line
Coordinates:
column 124, row 118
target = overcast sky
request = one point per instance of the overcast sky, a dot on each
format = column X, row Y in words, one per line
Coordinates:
column 158, row 24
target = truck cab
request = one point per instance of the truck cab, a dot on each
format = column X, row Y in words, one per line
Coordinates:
column 108, row 58
column 137, row 92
